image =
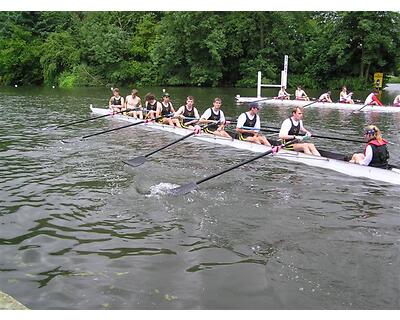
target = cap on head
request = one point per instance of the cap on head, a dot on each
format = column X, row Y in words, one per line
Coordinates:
column 166, row 94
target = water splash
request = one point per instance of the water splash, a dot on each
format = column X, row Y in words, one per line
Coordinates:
column 161, row 189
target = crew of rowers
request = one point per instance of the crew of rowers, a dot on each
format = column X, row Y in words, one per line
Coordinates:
column 344, row 96
column 248, row 125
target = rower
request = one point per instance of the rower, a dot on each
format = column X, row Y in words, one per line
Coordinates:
column 396, row 102
column 215, row 114
column 325, row 97
column 301, row 94
column 345, row 97
column 164, row 109
column 282, row 94
column 134, row 103
column 372, row 99
column 290, row 129
column 375, row 153
column 116, row 102
column 248, row 126
column 151, row 105
column 188, row 113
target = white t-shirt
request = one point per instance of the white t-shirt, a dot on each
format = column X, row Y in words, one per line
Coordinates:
column 369, row 98
column 287, row 125
column 242, row 119
column 368, row 156
column 207, row 114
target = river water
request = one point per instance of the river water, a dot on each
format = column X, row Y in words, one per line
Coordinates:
column 81, row 230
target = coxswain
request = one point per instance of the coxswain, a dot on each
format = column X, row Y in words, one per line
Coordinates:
column 375, row 153
column 215, row 114
column 248, row 126
column 291, row 128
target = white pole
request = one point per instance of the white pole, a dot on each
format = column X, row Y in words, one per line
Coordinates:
column 259, row 84
column 285, row 71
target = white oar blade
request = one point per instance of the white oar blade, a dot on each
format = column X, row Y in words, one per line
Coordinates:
column 135, row 162
column 51, row 127
column 186, row 188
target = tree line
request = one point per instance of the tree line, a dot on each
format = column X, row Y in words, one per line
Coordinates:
column 71, row 49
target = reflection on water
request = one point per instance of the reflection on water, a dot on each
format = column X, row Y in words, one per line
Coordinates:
column 81, row 230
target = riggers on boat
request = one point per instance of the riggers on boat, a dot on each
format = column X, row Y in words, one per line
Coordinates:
column 317, row 104
column 328, row 160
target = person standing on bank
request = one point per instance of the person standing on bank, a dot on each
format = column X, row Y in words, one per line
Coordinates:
column 116, row 102
column 290, row 129
column 248, row 126
column 375, row 153
column 215, row 114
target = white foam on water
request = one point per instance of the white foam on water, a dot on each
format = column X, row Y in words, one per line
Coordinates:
column 161, row 189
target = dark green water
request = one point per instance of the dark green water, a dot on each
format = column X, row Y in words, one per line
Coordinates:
column 80, row 230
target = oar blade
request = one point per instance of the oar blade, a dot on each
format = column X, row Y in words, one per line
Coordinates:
column 135, row 162
column 184, row 189
column 50, row 127
column 72, row 140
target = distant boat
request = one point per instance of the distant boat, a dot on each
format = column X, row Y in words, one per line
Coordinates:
column 325, row 105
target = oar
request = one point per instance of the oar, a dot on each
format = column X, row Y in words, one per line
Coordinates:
column 134, row 162
column 114, row 129
column 309, row 104
column 358, row 110
column 186, row 188
column 84, row 120
column 315, row 136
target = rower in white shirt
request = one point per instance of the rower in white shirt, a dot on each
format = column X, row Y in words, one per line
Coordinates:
column 345, row 97
column 301, row 94
column 215, row 114
column 282, row 94
column 248, row 126
column 325, row 97
column 290, row 129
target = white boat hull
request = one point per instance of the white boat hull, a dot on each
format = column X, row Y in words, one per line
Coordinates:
column 355, row 170
column 325, row 105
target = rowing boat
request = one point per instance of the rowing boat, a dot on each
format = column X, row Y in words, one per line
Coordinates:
column 389, row 176
column 325, row 105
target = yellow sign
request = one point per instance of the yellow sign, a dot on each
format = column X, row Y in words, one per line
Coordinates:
column 378, row 79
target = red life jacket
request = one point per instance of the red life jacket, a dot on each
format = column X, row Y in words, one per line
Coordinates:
column 380, row 154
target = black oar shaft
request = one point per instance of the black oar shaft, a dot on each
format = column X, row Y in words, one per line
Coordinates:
column 83, row 120
column 114, row 129
column 244, row 162
column 170, row 144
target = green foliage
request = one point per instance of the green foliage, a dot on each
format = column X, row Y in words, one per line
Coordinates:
column 326, row 49
column 59, row 53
